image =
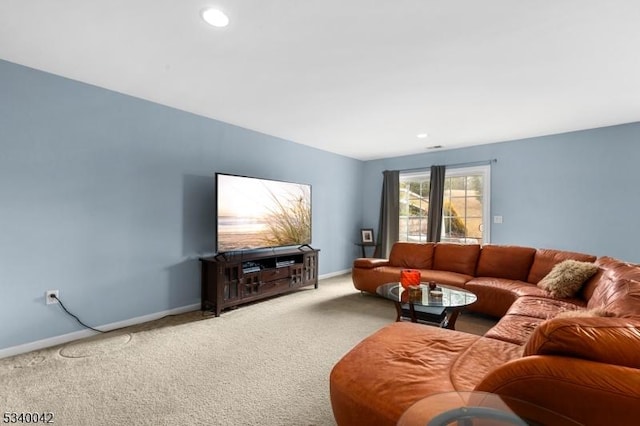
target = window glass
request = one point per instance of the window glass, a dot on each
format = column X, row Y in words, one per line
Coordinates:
column 465, row 213
column 414, row 206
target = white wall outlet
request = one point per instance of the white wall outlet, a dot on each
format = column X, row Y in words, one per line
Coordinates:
column 48, row 296
column 497, row 219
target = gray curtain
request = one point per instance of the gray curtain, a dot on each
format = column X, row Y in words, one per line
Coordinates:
column 388, row 232
column 436, row 196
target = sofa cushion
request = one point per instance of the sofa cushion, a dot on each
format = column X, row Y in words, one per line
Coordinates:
column 545, row 259
column 544, row 307
column 566, row 278
column 619, row 296
column 480, row 358
column 608, row 340
column 610, row 269
column 368, row 279
column 514, row 329
column 412, row 255
column 460, row 258
column 444, row 277
column 585, row 392
column 383, row 375
column 511, row 262
column 496, row 295
column 618, row 268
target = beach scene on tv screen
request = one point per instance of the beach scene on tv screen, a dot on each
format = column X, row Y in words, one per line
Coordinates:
column 255, row 213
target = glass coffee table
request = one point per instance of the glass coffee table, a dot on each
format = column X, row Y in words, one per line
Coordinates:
column 439, row 305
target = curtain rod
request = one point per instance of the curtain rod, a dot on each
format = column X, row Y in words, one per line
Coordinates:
column 469, row 164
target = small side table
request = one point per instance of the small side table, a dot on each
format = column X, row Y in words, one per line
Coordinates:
column 363, row 245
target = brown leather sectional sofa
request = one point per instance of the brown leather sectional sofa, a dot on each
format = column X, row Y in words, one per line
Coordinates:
column 585, row 368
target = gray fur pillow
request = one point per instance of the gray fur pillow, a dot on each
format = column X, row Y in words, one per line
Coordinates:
column 566, row 278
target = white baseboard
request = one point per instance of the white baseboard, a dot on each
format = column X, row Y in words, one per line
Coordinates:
column 334, row 274
column 69, row 337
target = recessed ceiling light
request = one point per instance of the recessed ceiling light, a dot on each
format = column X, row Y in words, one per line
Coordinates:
column 215, row 17
column 422, row 135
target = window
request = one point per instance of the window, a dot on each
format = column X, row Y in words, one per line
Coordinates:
column 465, row 212
column 414, row 206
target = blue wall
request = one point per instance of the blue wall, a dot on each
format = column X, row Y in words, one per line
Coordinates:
column 110, row 199
column 574, row 191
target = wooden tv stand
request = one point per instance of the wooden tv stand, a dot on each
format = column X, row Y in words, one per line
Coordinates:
column 232, row 279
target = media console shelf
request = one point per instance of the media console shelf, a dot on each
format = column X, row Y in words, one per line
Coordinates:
column 233, row 279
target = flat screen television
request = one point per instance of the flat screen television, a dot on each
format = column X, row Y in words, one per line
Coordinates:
column 254, row 213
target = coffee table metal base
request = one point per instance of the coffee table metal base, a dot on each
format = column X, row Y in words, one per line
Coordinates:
column 422, row 314
column 426, row 314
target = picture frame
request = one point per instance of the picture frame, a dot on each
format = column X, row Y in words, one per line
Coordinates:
column 366, row 236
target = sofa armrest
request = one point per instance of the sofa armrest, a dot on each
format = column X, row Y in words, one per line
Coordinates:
column 585, row 391
column 369, row 263
column 609, row 340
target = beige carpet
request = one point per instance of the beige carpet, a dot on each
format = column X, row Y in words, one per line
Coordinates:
column 262, row 364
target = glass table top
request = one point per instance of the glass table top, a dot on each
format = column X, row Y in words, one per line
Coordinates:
column 422, row 295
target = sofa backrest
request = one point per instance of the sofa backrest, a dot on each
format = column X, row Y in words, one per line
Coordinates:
column 545, row 259
column 412, row 255
column 603, row 339
column 620, row 297
column 460, row 258
column 510, row 262
column 615, row 288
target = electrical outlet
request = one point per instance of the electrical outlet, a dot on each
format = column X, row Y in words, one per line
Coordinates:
column 48, row 296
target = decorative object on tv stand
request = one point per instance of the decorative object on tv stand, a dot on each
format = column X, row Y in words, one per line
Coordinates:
column 409, row 277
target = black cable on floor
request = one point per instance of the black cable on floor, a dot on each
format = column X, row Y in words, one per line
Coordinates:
column 100, row 331
column 77, row 319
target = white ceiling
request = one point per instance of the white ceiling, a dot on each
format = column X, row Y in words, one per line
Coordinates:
column 355, row 77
